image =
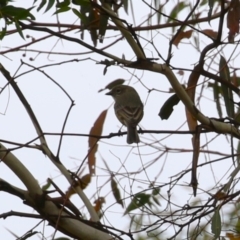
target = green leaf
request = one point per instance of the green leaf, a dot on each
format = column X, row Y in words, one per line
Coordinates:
column 41, row 5
column 62, row 9
column 216, row 225
column 3, row 33
column 19, row 29
column 17, row 13
column 79, row 15
column 3, row 3
column 237, row 226
column 156, row 201
column 81, row 2
column 116, row 192
column 238, row 152
column 102, row 26
column 176, row 10
column 93, row 32
column 210, row 4
column 63, row 4
column 29, row 234
column 156, row 191
column 156, row 4
column 226, row 91
column 139, row 200
column 125, row 6
column 159, row 15
column 50, row 4
column 216, row 94
column 167, row 108
column 203, row 2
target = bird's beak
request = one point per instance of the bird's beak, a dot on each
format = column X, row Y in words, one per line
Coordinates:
column 109, row 93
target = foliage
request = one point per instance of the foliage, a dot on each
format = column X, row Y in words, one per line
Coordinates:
column 114, row 36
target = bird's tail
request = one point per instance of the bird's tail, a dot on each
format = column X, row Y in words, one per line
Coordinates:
column 132, row 135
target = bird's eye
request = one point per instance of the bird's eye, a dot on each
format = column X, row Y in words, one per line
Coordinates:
column 118, row 90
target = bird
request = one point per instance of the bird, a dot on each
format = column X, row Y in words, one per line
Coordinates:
column 128, row 109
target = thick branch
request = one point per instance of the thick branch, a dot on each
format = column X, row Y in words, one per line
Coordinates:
column 48, row 210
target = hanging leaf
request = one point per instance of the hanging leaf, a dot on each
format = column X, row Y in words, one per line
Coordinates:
column 92, row 142
column 210, row 4
column 50, row 4
column 19, row 29
column 235, row 80
column 139, row 200
column 176, row 10
column 233, row 18
column 216, row 225
column 182, row 35
column 41, row 5
column 167, row 108
column 196, row 149
column 103, row 22
column 216, row 94
column 238, row 153
column 191, row 90
column 125, row 6
column 226, row 91
column 116, row 192
column 79, row 15
column 93, row 25
column 159, row 15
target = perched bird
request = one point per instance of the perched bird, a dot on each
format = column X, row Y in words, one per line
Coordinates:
column 128, row 109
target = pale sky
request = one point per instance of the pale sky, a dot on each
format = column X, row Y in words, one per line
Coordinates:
column 82, row 80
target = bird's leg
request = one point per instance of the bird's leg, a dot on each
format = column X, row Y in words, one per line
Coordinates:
column 119, row 131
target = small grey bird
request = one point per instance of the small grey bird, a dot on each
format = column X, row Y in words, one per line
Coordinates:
column 128, row 109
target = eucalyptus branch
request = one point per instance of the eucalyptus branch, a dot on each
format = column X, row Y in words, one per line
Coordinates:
column 76, row 40
column 44, row 147
column 217, row 126
column 33, row 196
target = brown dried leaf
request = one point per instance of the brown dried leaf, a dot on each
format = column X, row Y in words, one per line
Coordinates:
column 192, row 83
column 98, row 204
column 82, row 183
column 196, row 147
column 210, row 33
column 233, row 17
column 92, row 142
column 182, row 35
